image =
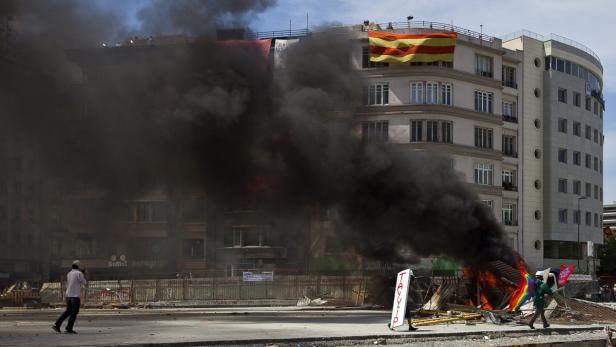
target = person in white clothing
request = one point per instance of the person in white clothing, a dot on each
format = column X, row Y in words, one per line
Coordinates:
column 74, row 279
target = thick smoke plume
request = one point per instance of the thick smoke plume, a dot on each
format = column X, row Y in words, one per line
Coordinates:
column 214, row 117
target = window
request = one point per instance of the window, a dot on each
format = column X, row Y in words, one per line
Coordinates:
column 248, row 236
column 483, row 137
column 587, row 190
column 601, row 193
column 483, row 101
column 577, row 128
column 377, row 131
column 446, row 94
column 576, row 217
column 193, row 248
column 484, row 174
column 596, row 163
column 416, row 130
column 596, row 108
column 483, row 65
column 431, row 93
column 595, row 135
column 577, row 187
column 417, row 93
column 596, row 191
column 596, row 220
column 446, row 132
column 562, row 95
column 577, row 99
column 601, row 166
column 378, row 94
column 562, row 215
column 488, row 203
column 562, row 155
column 588, row 160
column 150, row 212
column 587, row 103
column 432, row 131
column 509, row 109
column 509, row 148
column 562, row 185
column 588, row 132
column 365, row 61
column 562, row 125
column 509, row 77
column 508, row 214
column 507, row 177
column 588, row 216
column 577, row 158
column 560, row 65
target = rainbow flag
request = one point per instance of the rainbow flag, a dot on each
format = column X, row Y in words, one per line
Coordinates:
column 523, row 292
column 401, row 48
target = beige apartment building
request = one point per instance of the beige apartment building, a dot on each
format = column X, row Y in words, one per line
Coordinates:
column 521, row 119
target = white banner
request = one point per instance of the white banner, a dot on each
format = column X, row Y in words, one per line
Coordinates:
column 257, row 277
column 400, row 297
column 590, row 248
column 280, row 45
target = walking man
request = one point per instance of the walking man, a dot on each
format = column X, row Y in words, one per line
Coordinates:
column 74, row 279
column 541, row 289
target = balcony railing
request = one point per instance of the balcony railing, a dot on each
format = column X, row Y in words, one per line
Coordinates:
column 510, row 187
column 511, row 119
column 484, row 73
column 510, row 84
column 510, row 154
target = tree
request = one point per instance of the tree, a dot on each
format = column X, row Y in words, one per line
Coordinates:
column 607, row 256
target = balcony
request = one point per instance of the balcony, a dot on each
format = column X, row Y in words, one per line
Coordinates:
column 510, row 187
column 510, row 84
column 510, row 222
column 511, row 119
column 484, row 73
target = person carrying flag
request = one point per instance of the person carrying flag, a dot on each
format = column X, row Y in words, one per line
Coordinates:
column 541, row 289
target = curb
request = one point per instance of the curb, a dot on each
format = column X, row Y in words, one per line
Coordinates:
column 357, row 338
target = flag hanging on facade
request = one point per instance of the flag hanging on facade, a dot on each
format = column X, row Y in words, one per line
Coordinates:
column 523, row 292
column 401, row 48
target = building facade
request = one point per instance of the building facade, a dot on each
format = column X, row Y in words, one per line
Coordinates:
column 521, row 119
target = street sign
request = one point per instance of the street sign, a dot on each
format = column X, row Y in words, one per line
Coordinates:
column 257, row 276
column 400, row 297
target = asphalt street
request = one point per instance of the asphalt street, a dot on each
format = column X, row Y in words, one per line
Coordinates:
column 225, row 326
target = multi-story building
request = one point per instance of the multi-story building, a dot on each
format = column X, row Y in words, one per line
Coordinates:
column 521, row 119
column 563, row 126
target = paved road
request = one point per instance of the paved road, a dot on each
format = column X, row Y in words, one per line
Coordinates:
column 142, row 326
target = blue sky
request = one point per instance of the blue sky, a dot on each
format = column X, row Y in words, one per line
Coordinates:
column 590, row 22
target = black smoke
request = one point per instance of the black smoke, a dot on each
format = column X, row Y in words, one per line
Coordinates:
column 214, row 117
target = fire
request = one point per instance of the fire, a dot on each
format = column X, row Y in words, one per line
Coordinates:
column 496, row 278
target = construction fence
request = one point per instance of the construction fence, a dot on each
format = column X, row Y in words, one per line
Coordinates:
column 281, row 290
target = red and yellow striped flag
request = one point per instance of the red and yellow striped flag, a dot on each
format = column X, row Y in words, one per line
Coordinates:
column 401, row 48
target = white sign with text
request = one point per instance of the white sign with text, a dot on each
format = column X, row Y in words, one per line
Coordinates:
column 400, row 297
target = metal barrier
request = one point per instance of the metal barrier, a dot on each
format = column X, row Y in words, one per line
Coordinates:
column 348, row 290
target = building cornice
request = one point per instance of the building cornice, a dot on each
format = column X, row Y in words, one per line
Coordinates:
column 454, row 149
column 412, row 110
column 432, row 71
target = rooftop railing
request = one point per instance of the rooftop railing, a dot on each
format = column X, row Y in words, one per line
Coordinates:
column 408, row 25
column 549, row 37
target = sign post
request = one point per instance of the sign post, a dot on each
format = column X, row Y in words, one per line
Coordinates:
column 400, row 297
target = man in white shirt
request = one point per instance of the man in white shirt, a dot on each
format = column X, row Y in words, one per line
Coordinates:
column 74, row 279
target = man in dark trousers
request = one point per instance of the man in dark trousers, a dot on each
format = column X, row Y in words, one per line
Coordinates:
column 74, row 279
column 541, row 289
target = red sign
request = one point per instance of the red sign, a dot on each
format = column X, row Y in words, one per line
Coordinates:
column 565, row 272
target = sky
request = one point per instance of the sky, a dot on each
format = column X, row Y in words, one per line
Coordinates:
column 590, row 22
